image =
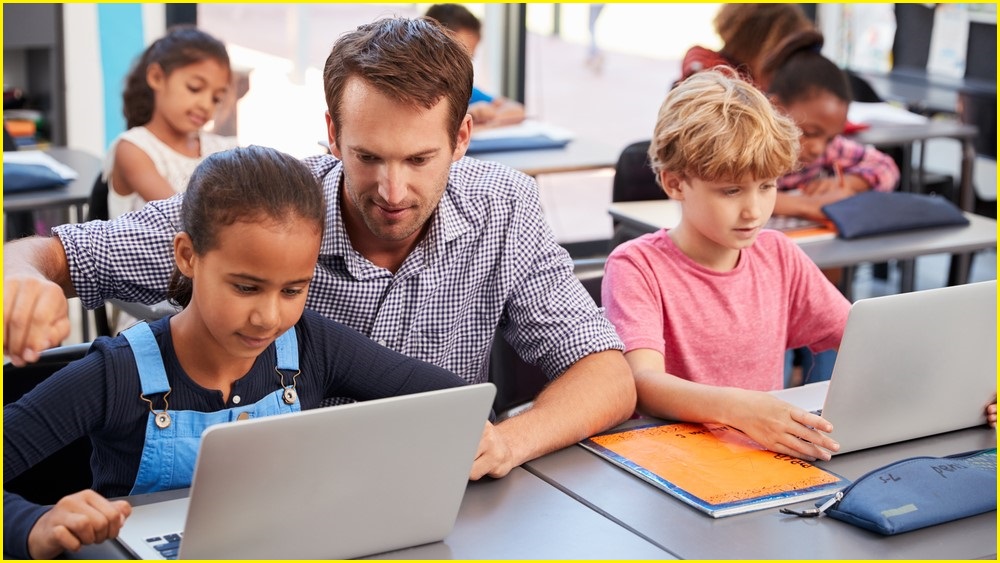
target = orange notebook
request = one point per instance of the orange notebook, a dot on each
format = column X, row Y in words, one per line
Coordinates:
column 714, row 468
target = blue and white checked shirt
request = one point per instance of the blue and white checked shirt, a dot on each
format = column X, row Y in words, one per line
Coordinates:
column 488, row 260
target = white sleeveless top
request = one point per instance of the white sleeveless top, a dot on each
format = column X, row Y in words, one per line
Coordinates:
column 176, row 168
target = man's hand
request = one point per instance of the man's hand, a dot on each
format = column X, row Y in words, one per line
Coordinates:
column 35, row 317
column 494, row 457
column 76, row 520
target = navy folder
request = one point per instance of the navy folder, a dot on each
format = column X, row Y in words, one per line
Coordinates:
column 19, row 177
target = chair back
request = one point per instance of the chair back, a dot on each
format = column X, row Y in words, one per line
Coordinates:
column 68, row 470
column 517, row 381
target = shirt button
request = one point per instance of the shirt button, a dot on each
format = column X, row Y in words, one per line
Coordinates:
column 236, row 399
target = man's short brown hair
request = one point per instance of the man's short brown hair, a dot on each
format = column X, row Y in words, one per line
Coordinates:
column 414, row 61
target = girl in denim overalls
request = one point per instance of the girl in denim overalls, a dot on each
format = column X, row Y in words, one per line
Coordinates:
column 243, row 347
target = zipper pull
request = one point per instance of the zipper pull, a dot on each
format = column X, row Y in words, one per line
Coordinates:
column 814, row 512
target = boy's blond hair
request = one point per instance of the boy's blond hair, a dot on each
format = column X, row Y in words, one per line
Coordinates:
column 716, row 127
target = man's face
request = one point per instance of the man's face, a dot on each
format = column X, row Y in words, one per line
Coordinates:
column 396, row 163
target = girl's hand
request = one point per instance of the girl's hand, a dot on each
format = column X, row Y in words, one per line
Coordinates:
column 849, row 185
column 783, row 428
column 79, row 519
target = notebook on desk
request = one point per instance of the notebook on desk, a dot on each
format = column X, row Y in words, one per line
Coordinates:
column 910, row 365
column 330, row 483
column 527, row 135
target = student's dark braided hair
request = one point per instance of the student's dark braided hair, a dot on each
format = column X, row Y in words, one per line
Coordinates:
column 254, row 184
column 798, row 70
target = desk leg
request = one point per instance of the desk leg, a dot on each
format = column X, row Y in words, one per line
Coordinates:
column 907, row 274
column 961, row 264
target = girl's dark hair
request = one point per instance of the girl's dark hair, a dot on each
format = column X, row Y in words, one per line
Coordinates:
column 798, row 70
column 181, row 46
column 249, row 184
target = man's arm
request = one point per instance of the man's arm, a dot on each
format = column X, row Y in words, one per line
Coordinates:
column 36, row 284
column 594, row 394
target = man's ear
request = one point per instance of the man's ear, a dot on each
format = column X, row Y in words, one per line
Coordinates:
column 331, row 136
column 184, row 254
column 671, row 183
column 463, row 138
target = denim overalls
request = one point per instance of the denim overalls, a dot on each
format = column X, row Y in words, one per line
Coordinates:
column 172, row 437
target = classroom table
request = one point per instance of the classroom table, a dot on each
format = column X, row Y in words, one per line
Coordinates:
column 517, row 517
column 979, row 234
column 578, row 156
column 689, row 534
column 924, row 92
column 73, row 195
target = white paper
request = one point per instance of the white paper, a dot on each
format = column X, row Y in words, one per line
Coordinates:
column 40, row 158
column 870, row 113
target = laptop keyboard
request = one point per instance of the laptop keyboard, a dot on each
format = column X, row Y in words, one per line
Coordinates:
column 167, row 544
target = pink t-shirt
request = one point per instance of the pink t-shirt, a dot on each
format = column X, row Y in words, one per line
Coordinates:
column 722, row 328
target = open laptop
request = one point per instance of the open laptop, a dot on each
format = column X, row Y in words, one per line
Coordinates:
column 330, row 483
column 910, row 365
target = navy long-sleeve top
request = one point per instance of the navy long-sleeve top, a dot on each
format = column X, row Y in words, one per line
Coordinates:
column 98, row 396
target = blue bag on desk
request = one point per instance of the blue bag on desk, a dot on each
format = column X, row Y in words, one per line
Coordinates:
column 879, row 213
column 19, row 177
column 919, row 492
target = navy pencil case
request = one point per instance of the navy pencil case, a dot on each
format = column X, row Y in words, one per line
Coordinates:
column 876, row 213
column 917, row 492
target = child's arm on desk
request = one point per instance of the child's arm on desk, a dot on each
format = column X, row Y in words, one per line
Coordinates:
column 769, row 421
column 79, row 519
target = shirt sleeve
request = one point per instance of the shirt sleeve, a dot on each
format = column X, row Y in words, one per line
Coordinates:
column 817, row 310
column 549, row 318
column 635, row 306
column 65, row 406
column 878, row 169
column 129, row 258
column 479, row 96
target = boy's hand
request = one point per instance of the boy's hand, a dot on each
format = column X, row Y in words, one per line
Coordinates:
column 79, row 519
column 783, row 428
column 35, row 317
column 991, row 413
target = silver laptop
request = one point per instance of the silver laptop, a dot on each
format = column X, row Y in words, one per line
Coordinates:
column 329, row 483
column 910, row 365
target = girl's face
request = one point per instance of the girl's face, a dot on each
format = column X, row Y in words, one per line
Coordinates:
column 821, row 117
column 252, row 286
column 187, row 98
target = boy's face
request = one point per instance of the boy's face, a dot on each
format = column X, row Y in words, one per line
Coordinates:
column 720, row 218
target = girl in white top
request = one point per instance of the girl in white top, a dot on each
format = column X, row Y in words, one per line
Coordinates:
column 172, row 92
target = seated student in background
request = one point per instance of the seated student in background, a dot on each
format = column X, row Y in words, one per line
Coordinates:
column 749, row 32
column 486, row 110
column 432, row 254
column 245, row 254
column 815, row 93
column 708, row 308
column 172, row 91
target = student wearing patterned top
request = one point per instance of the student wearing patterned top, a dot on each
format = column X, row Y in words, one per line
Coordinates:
column 814, row 92
column 708, row 308
column 424, row 251
column 249, row 237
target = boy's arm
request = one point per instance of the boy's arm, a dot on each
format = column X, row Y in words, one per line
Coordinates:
column 769, row 421
column 36, row 285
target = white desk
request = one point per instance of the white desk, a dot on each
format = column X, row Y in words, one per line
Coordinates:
column 980, row 234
